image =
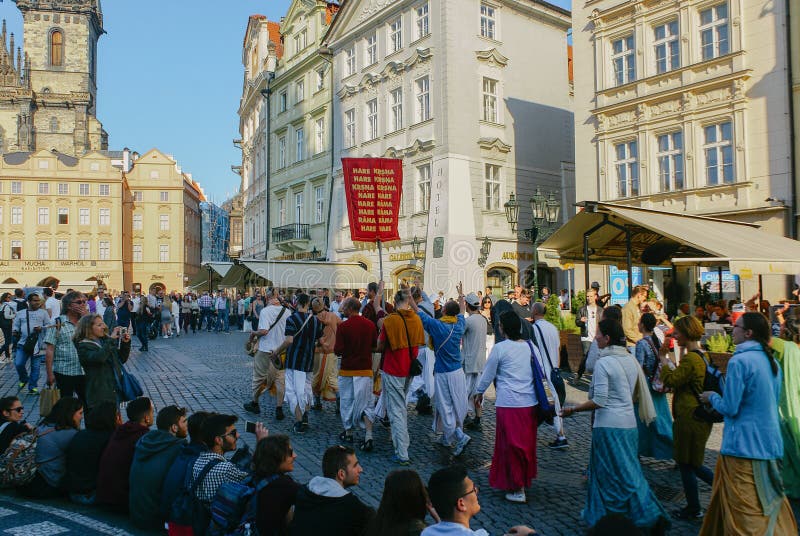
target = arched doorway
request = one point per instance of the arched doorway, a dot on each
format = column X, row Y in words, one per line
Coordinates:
column 51, row 282
column 405, row 275
column 156, row 287
column 11, row 281
column 501, row 279
column 546, row 279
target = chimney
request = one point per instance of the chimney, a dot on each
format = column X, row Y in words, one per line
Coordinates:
column 126, row 159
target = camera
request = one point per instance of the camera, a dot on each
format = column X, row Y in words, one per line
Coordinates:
column 123, row 332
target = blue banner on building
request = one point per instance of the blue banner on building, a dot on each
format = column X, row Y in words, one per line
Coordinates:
column 618, row 284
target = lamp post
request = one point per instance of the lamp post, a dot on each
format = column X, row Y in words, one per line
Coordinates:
column 545, row 211
column 267, row 94
column 314, row 254
column 208, row 267
column 486, row 248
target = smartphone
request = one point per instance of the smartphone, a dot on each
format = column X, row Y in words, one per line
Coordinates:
column 123, row 332
column 250, row 427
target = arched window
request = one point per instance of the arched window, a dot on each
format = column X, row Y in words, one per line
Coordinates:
column 57, row 48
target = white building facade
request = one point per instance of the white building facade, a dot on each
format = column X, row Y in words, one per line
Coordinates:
column 455, row 89
column 683, row 107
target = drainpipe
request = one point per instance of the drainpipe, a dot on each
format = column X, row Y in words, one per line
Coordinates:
column 267, row 94
column 327, row 55
column 794, row 210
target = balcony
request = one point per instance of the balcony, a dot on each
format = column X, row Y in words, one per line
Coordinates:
column 291, row 238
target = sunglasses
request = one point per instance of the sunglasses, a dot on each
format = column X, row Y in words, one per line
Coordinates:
column 20, row 409
column 232, row 433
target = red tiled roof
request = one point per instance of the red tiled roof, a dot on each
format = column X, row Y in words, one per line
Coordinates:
column 274, row 29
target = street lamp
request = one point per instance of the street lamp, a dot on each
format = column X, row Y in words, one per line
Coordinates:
column 486, row 248
column 416, row 245
column 314, row 253
column 208, row 267
column 545, row 211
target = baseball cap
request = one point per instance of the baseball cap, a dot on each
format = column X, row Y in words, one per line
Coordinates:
column 472, row 299
column 595, row 284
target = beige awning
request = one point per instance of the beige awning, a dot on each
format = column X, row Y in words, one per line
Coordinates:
column 663, row 238
column 311, row 274
column 219, row 267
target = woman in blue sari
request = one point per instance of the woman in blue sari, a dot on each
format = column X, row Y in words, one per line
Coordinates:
column 655, row 439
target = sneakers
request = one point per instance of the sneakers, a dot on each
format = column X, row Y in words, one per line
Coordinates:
column 253, row 407
column 560, row 443
column 685, row 513
column 298, row 428
column 474, row 424
column 345, row 437
column 366, row 445
column 397, row 460
column 461, row 445
column 22, row 385
column 33, row 391
column 305, row 420
column 279, row 413
column 517, row 497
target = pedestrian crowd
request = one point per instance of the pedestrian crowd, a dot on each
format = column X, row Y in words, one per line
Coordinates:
column 374, row 357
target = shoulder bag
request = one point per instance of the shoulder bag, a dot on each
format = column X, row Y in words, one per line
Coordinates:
column 555, row 373
column 545, row 411
column 30, row 341
column 712, row 381
column 416, row 367
column 251, row 346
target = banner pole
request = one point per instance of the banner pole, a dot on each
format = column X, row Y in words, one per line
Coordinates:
column 380, row 264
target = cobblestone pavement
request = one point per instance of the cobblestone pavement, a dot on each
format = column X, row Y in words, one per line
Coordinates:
column 211, row 371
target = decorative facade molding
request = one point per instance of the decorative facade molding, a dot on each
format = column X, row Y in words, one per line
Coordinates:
column 494, row 144
column 493, row 57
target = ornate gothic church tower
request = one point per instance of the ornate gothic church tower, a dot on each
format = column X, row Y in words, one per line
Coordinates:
column 48, row 94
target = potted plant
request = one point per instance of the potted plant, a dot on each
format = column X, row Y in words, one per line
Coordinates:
column 720, row 350
column 570, row 348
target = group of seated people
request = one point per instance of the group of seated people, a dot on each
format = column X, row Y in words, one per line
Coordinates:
column 129, row 468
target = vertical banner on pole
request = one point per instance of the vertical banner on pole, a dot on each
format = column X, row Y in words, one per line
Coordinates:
column 373, row 188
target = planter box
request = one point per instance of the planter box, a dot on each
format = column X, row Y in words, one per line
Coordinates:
column 571, row 351
column 720, row 359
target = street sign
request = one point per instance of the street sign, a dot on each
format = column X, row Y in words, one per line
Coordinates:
column 618, row 284
column 730, row 283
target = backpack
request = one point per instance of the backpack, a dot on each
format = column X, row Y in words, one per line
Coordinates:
column 8, row 315
column 187, row 510
column 18, row 463
column 712, row 381
column 234, row 508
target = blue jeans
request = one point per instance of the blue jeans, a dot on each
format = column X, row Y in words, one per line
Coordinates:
column 205, row 318
column 21, row 360
column 689, row 475
column 222, row 320
column 141, row 331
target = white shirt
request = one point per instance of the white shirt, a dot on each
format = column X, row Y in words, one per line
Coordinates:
column 276, row 335
column 473, row 344
column 447, row 528
column 100, row 307
column 613, row 383
column 546, row 333
column 509, row 365
column 335, row 307
column 136, row 301
column 53, row 307
column 592, row 312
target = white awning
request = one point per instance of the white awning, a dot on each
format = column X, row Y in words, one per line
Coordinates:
column 664, row 238
column 311, row 274
column 220, row 267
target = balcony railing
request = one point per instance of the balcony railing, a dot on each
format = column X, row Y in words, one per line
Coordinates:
column 294, row 231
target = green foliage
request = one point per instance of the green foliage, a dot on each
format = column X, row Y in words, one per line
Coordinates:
column 719, row 343
column 568, row 324
column 702, row 294
column 553, row 312
column 578, row 301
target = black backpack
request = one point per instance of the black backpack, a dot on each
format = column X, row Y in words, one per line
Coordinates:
column 712, row 381
column 188, row 510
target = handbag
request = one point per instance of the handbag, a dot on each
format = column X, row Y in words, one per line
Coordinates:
column 555, row 374
column 656, row 384
column 415, row 369
column 47, row 399
column 712, row 381
column 30, row 341
column 251, row 346
column 545, row 411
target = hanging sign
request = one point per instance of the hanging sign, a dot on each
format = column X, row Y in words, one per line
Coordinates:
column 373, row 187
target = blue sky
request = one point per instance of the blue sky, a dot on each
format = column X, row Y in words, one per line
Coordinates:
column 170, row 76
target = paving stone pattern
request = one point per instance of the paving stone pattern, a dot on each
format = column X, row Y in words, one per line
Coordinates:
column 211, row 371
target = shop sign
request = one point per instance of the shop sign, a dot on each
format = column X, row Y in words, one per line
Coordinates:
column 372, row 188
column 405, row 256
column 517, row 256
column 156, row 277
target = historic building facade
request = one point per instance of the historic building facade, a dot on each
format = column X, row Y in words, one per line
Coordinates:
column 456, row 90
column 683, row 108
column 215, row 231
column 233, row 207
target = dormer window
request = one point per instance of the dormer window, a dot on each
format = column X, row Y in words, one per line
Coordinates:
column 56, row 48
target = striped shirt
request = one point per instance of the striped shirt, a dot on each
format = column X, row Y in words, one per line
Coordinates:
column 65, row 354
column 300, row 354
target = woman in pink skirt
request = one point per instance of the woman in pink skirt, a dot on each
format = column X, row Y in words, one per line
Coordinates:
column 509, row 366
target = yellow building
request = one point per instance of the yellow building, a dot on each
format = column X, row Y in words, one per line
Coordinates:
column 163, row 207
column 60, row 221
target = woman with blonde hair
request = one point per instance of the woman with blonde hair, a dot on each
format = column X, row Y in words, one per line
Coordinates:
column 101, row 355
column 166, row 317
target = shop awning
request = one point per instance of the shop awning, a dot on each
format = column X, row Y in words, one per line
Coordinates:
column 663, row 238
column 311, row 274
column 239, row 276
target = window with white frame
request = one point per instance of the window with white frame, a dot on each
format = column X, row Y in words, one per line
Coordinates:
column 16, row 249
column 350, row 128
column 105, row 216
column 492, row 180
column 423, row 22
column 43, row 250
column 300, row 41
column 63, row 216
column 396, row 98
column 627, row 166
column 104, row 190
column 395, row 35
column 714, row 38
column 667, row 46
column 300, row 90
column 83, row 216
column 670, row 161
column 319, row 135
column 83, row 189
column 320, row 78
column 283, row 101
column 490, row 100
column 423, row 93
column 623, row 60
column 281, row 211
column 16, row 215
column 44, row 216
column 62, row 250
column 423, row 200
column 372, row 119
column 163, row 252
column 137, row 253
column 137, row 197
column 298, row 207
column 300, row 145
column 137, row 222
column 44, row 188
column 371, row 50
column 16, row 187
column 84, row 250
column 319, row 204
column 63, row 188
column 163, row 222
column 104, row 250
column 718, row 149
column 281, row 152
column 164, row 197
column 350, row 61
column 488, row 21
